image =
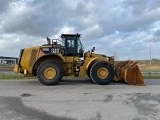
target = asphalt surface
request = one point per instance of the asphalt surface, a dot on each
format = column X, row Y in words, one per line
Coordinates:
column 78, row 100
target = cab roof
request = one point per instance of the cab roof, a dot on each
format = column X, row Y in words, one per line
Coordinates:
column 64, row 35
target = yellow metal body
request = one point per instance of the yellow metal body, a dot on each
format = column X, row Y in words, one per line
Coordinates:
column 33, row 57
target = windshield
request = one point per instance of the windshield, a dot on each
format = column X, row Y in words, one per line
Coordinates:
column 80, row 46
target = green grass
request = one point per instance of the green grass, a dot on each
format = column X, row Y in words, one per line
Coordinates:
column 151, row 76
column 16, row 77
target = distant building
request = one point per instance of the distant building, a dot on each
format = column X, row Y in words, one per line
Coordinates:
column 8, row 60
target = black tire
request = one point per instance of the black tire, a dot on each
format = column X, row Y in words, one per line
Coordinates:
column 102, row 73
column 49, row 72
column 88, row 74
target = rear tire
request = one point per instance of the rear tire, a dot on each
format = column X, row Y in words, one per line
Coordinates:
column 49, row 72
column 88, row 74
column 102, row 73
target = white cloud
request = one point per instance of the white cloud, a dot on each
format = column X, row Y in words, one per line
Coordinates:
column 124, row 27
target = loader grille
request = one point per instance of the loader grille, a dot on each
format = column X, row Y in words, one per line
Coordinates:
column 20, row 56
column 33, row 57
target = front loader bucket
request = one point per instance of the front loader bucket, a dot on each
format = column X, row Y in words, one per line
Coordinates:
column 128, row 71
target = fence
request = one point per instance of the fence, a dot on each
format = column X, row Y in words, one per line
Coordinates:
column 150, row 73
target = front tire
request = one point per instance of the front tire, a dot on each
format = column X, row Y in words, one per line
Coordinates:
column 49, row 72
column 102, row 73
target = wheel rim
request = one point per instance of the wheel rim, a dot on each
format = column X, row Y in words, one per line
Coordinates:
column 102, row 73
column 49, row 73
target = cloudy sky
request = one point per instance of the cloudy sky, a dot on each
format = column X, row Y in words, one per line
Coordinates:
column 124, row 28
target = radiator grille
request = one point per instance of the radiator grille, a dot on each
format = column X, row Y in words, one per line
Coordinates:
column 33, row 57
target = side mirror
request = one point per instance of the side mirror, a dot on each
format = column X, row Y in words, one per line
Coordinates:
column 93, row 49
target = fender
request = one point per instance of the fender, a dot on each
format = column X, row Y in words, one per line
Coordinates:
column 88, row 62
column 45, row 57
column 93, row 60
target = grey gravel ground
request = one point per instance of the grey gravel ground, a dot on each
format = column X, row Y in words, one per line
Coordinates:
column 79, row 100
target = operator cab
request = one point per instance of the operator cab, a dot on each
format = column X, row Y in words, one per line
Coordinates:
column 72, row 45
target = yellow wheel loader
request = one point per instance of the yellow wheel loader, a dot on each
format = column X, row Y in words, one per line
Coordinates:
column 51, row 61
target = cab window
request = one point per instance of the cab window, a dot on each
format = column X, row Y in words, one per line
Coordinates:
column 70, row 42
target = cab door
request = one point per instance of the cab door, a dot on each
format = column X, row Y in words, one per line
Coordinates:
column 70, row 46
